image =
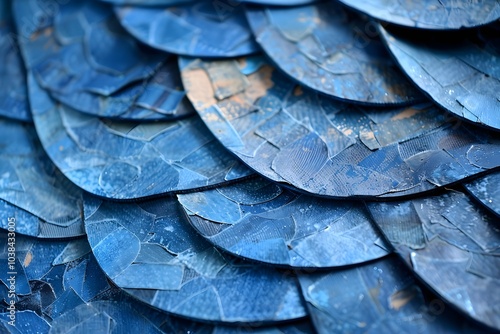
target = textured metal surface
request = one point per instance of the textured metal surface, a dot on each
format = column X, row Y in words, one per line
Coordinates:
column 258, row 220
column 151, row 252
column 453, row 245
column 459, row 70
column 205, row 29
column 45, row 203
column 486, row 190
column 331, row 50
column 321, row 146
column 13, row 96
column 378, row 297
column 124, row 160
column 67, row 58
column 430, row 14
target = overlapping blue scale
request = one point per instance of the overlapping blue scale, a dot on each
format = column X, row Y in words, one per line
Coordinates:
column 259, row 220
column 186, row 276
column 60, row 288
column 51, row 276
column 13, row 96
column 486, row 190
column 123, row 80
column 72, row 58
column 378, row 297
column 429, row 14
column 44, row 202
column 160, row 97
column 303, row 140
column 125, row 160
column 113, row 118
column 458, row 70
column 453, row 245
column 332, row 50
column 203, row 29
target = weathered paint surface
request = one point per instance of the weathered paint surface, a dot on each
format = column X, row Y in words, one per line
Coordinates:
column 453, row 245
column 324, row 147
column 65, row 55
column 334, row 51
column 378, row 297
column 486, row 190
column 204, row 29
column 33, row 191
column 459, row 71
column 125, row 160
column 151, row 252
column 259, row 220
column 430, row 14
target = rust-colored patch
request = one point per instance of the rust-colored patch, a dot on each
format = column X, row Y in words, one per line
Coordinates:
column 407, row 113
column 27, row 259
column 347, row 132
column 260, row 83
column 235, row 106
column 46, row 32
column 211, row 117
column 298, row 91
column 368, row 135
column 400, row 298
column 238, row 99
column 199, row 88
column 242, row 62
column 226, row 78
column 374, row 292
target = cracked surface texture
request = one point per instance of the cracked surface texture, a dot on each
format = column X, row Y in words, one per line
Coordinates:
column 328, row 148
column 332, row 50
column 453, row 245
column 460, row 71
column 151, row 252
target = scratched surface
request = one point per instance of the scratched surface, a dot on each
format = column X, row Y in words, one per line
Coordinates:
column 430, row 14
column 458, row 70
column 334, row 51
column 155, row 255
column 486, row 190
column 315, row 144
column 67, row 59
column 259, row 220
column 32, row 190
column 124, row 160
column 13, row 96
column 453, row 245
column 378, row 297
column 204, row 29
column 61, row 289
